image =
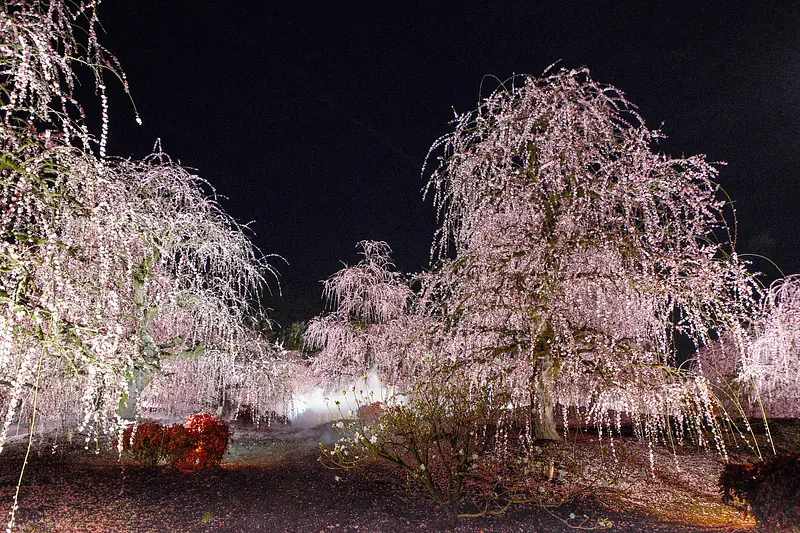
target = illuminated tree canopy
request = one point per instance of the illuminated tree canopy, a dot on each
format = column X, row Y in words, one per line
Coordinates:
column 372, row 327
column 109, row 269
column 578, row 253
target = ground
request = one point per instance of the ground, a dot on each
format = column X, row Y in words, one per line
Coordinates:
column 271, row 481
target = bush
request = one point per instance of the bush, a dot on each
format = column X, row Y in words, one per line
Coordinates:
column 444, row 427
column 199, row 444
column 145, row 442
column 770, row 489
column 178, row 446
column 370, row 413
column 213, row 437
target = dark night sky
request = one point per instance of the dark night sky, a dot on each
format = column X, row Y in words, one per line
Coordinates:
column 314, row 120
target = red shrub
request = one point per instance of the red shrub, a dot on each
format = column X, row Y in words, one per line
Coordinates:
column 200, row 444
column 180, row 442
column 145, row 444
column 213, row 437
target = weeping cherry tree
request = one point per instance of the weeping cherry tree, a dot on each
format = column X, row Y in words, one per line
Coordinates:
column 371, row 327
column 571, row 254
column 112, row 272
column 771, row 365
column 765, row 380
column 435, row 419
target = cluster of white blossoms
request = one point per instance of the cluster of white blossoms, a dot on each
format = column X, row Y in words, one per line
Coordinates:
column 772, row 365
column 758, row 371
column 372, row 329
column 254, row 374
column 142, row 269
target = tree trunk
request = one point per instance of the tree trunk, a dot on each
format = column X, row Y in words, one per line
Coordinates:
column 543, row 422
column 129, row 403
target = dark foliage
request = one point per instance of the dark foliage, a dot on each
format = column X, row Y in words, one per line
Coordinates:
column 771, row 490
column 246, row 416
column 146, row 444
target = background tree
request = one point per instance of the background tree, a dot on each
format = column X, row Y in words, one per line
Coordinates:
column 371, row 328
column 572, row 254
column 771, row 367
column 767, row 379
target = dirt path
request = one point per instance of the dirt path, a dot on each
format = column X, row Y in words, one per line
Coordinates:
column 270, row 482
